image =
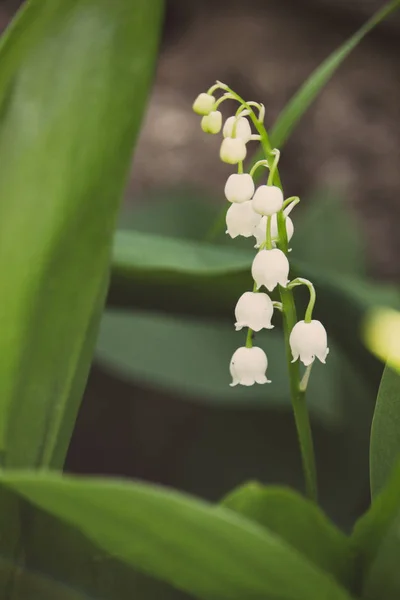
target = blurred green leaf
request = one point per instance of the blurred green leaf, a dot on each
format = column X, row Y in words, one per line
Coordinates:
column 385, row 431
column 300, row 523
column 191, row 358
column 181, row 212
column 61, row 563
column 383, row 578
column 371, row 529
column 377, row 537
column 189, row 278
column 74, row 78
column 198, row 547
column 307, row 93
column 315, row 241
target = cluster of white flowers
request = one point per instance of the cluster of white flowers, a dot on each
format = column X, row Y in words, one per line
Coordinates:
column 261, row 212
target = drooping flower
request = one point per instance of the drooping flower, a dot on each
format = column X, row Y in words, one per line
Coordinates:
column 260, row 232
column 239, row 187
column 241, row 220
column 254, row 310
column 307, row 341
column 248, row 366
column 203, row 104
column 212, row 122
column 243, row 129
column 270, row 268
column 267, row 200
column 233, row 150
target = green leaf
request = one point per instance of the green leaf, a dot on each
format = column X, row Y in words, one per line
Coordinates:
column 385, row 432
column 74, row 78
column 377, row 538
column 315, row 241
column 370, row 531
column 190, row 358
column 307, row 93
column 383, row 578
column 190, row 278
column 61, row 563
column 300, row 523
column 200, row 548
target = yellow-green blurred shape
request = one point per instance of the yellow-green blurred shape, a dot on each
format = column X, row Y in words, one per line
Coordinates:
column 381, row 334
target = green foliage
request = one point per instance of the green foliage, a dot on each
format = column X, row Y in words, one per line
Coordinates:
column 305, row 96
column 200, row 548
column 74, row 78
column 300, row 523
column 65, row 68
column 385, row 432
column 376, row 538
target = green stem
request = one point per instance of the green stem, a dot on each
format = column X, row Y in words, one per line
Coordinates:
column 249, row 338
column 298, row 395
column 298, row 398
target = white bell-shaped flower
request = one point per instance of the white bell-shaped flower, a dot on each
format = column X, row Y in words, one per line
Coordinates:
column 254, row 310
column 212, row 123
column 241, row 220
column 243, row 129
column 203, row 104
column 260, row 233
column 267, row 200
column 249, row 366
column 239, row 187
column 233, row 150
column 269, row 268
column 307, row 341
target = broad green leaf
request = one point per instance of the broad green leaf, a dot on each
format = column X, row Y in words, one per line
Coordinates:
column 307, row 93
column 74, row 76
column 187, row 277
column 385, row 432
column 61, row 563
column 383, row 578
column 200, row 548
column 315, row 241
column 190, row 357
column 371, row 530
column 181, row 212
column 300, row 523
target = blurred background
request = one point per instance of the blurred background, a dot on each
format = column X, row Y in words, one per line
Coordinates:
column 158, row 405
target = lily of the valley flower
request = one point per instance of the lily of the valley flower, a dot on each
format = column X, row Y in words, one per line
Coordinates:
column 233, row 150
column 268, row 200
column 249, row 366
column 203, row 104
column 243, row 129
column 254, row 310
column 239, row 187
column 260, row 231
column 241, row 220
column 307, row 341
column 270, row 268
column 212, row 122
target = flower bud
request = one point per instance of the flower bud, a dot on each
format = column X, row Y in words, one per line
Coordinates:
column 239, row 187
column 248, row 366
column 241, row 220
column 269, row 268
column 243, row 129
column 260, row 232
column 267, row 200
column 307, row 341
column 212, row 123
column 203, row 104
column 233, row 150
column 254, row 310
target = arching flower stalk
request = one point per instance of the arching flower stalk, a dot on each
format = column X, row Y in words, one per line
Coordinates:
column 263, row 212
